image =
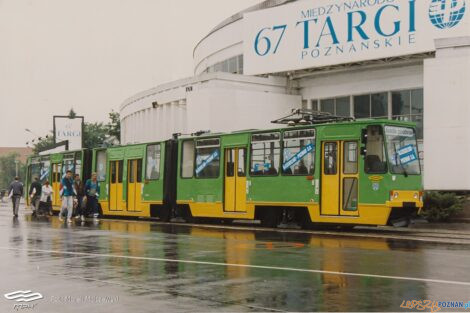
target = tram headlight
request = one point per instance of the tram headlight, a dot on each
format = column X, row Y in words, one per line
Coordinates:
column 393, row 195
column 416, row 196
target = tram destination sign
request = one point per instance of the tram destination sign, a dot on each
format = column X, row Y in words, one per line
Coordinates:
column 316, row 33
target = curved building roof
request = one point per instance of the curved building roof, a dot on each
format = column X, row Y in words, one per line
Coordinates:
column 238, row 16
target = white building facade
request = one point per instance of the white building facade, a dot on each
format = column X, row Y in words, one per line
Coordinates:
column 396, row 59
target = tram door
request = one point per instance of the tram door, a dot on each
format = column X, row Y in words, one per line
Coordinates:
column 339, row 179
column 134, row 185
column 235, row 180
column 115, row 185
column 56, row 180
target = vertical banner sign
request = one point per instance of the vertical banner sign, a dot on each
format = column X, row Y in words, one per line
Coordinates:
column 70, row 129
column 315, row 33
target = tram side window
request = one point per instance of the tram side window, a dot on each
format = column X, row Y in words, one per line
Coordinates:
column 69, row 165
column 374, row 161
column 330, row 158
column 113, row 171
column 207, row 158
column 187, row 159
column 139, row 171
column 350, row 151
column 45, row 169
column 101, row 165
column 35, row 170
column 265, row 154
column 78, row 163
column 299, row 153
column 241, row 163
column 120, row 171
column 153, row 162
column 130, row 171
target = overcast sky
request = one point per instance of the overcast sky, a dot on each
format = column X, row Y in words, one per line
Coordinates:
column 93, row 54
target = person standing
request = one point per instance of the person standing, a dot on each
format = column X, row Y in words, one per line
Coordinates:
column 35, row 195
column 67, row 196
column 79, row 189
column 16, row 192
column 46, row 197
column 92, row 191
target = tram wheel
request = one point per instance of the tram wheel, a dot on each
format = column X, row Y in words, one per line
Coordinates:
column 164, row 214
column 270, row 218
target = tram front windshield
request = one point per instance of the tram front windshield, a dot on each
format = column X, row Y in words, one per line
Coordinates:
column 402, row 150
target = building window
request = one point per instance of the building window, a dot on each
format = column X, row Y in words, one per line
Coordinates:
column 240, row 64
column 371, row 105
column 233, row 65
column 407, row 105
column 328, row 106
column 336, row 106
column 315, row 107
column 265, row 154
column 153, row 162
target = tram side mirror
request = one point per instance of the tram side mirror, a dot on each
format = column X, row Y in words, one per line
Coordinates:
column 363, row 151
column 364, row 136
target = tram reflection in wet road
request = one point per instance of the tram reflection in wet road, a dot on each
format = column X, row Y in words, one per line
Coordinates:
column 182, row 268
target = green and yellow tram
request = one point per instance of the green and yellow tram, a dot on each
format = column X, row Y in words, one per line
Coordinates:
column 349, row 173
column 52, row 167
column 343, row 173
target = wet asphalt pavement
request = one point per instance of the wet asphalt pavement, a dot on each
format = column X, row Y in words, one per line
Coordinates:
column 134, row 266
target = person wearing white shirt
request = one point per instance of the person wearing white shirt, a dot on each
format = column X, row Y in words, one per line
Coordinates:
column 46, row 197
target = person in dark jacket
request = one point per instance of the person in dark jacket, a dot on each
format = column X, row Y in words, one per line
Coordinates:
column 80, row 194
column 67, row 196
column 35, row 194
column 16, row 192
column 92, row 191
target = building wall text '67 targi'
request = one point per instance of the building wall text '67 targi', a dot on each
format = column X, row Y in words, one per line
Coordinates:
column 307, row 34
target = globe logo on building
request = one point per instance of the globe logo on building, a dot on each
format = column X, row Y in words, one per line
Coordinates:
column 446, row 13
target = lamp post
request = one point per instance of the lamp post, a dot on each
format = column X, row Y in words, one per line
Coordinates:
column 16, row 167
column 30, row 131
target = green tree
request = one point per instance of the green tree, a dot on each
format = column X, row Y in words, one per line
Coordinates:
column 94, row 135
column 8, row 169
column 44, row 143
column 114, row 125
column 72, row 113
